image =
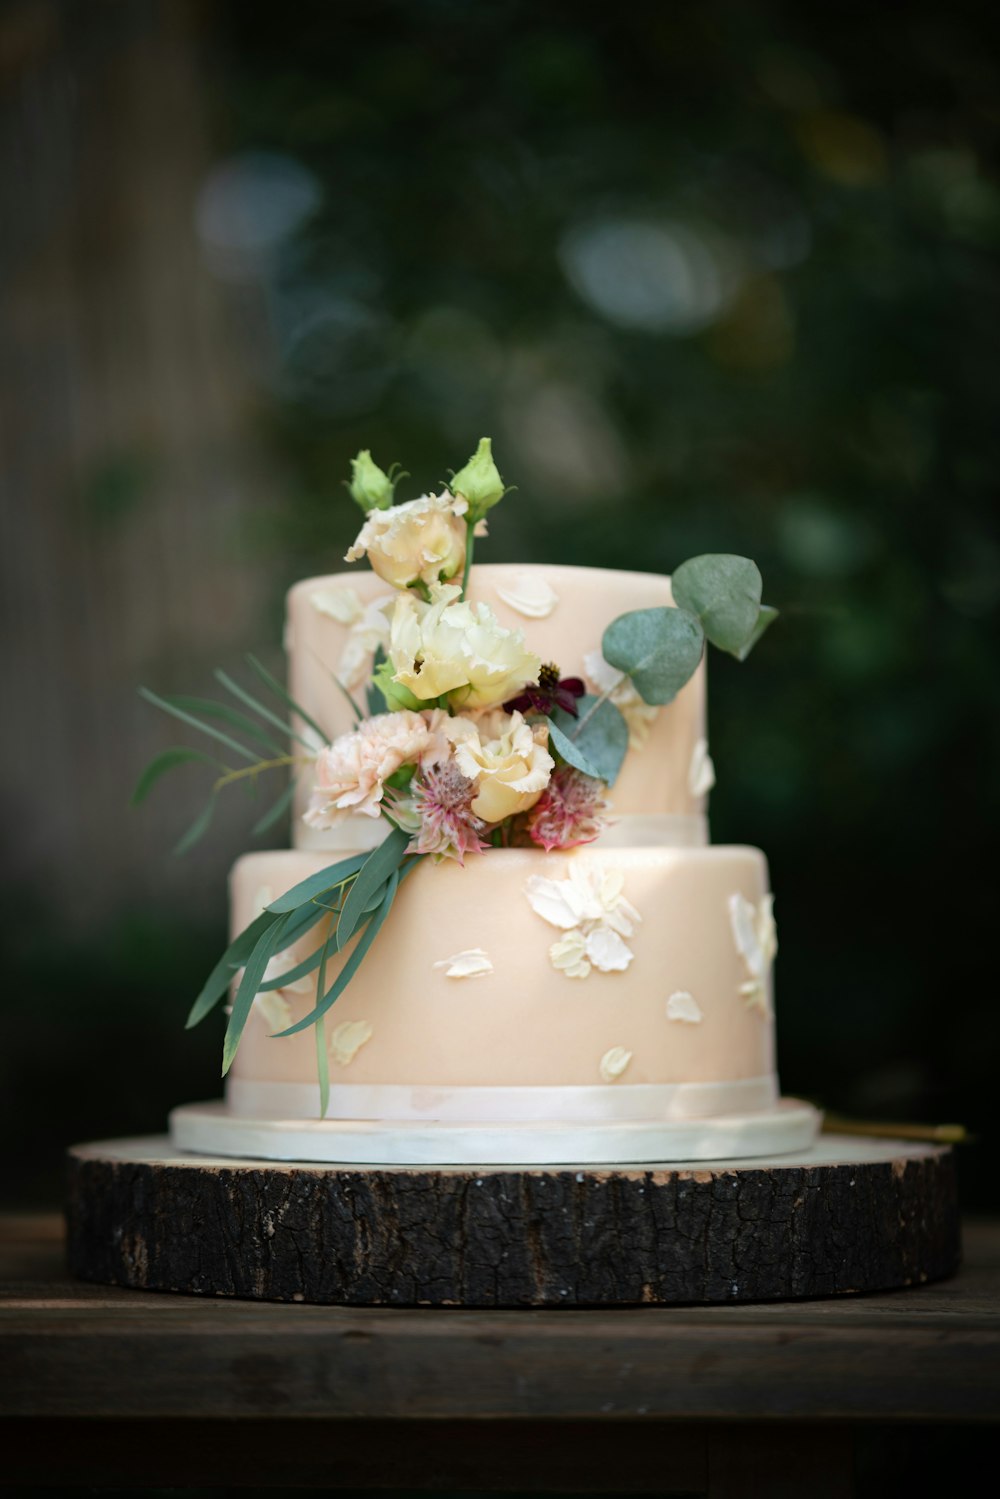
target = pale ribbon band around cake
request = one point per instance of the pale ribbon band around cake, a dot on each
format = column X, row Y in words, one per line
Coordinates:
column 248, row 1099
column 658, row 830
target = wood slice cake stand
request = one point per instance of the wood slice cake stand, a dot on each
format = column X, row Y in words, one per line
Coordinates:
column 844, row 1216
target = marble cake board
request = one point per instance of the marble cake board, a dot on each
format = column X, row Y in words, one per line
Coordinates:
column 843, row 1215
column 209, row 1129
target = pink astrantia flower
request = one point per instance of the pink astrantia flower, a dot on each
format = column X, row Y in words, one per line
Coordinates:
column 569, row 811
column 352, row 771
column 440, row 799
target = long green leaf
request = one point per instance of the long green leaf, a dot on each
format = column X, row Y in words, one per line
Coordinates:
column 317, row 884
column 275, row 811
column 353, row 963
column 168, row 706
column 373, row 873
column 221, row 976
column 279, row 691
column 570, row 751
column 212, row 708
column 198, row 828
column 253, row 975
column 322, row 1056
column 164, row 761
column 246, row 697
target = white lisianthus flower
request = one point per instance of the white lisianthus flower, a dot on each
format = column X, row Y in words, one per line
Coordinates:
column 505, row 757
column 352, row 771
column 421, row 541
column 447, row 647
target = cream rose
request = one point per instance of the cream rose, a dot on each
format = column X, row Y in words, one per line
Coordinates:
column 506, row 757
column 352, row 771
column 423, row 540
column 449, row 647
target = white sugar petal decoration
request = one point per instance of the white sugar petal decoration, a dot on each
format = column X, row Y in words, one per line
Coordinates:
column 701, row 772
column 275, row 1009
column 263, row 897
column 284, row 962
column 569, row 955
column 473, row 963
column 607, row 951
column 683, row 1006
column 756, row 938
column 529, row 594
column 341, row 604
column 556, row 901
column 638, row 715
column 614, row 1062
column 347, row 1039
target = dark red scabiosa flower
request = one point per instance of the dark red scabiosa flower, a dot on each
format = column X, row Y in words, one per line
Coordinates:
column 548, row 693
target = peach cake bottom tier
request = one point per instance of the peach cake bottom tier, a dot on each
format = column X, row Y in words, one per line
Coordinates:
column 619, row 983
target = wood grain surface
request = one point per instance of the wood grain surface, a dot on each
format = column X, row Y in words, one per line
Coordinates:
column 778, row 1399
column 849, row 1216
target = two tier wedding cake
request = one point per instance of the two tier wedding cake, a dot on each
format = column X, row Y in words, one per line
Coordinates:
column 501, row 934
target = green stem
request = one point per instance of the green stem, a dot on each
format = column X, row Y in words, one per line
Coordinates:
column 470, row 542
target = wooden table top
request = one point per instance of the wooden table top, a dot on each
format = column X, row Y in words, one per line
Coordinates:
column 70, row 1350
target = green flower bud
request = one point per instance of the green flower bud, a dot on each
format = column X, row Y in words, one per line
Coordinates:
column 396, row 696
column 370, row 487
column 479, row 481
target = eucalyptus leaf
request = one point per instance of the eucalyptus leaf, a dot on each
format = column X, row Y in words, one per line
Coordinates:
column 724, row 592
column 569, row 751
column 317, row 884
column 322, row 1067
column 279, row 691
column 374, row 872
column 198, row 828
column 374, row 696
column 172, row 706
column 353, row 963
column 599, row 733
column 276, row 810
column 658, row 648
column 166, row 760
column 268, row 944
column 210, row 708
column 766, row 617
column 251, row 702
column 221, row 976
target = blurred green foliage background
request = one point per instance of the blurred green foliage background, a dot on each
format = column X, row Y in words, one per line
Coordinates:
column 714, row 277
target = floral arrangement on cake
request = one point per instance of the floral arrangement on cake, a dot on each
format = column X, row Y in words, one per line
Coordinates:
column 468, row 741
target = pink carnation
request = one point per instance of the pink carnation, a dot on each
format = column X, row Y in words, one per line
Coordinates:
column 569, row 811
column 352, row 771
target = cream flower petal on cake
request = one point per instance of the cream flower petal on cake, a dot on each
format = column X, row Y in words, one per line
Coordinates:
column 341, row 604
column 284, row 962
column 569, row 955
column 263, row 896
column 473, row 963
column 613, row 1063
column 639, row 716
column 756, row 939
column 347, row 1039
column 276, row 1010
column 529, row 594
column 555, row 901
column 701, row 771
column 683, row 1006
column 368, row 634
column 606, row 950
